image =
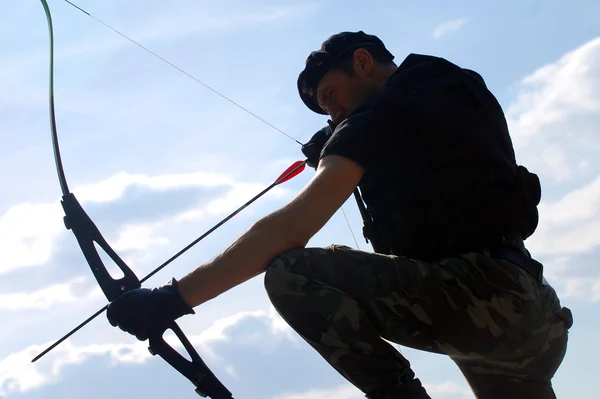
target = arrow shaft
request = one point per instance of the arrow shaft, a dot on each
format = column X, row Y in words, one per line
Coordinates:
column 284, row 177
column 289, row 172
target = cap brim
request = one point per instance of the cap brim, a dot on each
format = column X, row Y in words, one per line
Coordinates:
column 307, row 97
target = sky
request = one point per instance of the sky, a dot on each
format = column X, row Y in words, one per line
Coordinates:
column 157, row 159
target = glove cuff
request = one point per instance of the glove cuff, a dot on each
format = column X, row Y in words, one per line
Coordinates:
column 179, row 306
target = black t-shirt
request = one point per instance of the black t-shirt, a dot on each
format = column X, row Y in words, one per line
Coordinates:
column 436, row 152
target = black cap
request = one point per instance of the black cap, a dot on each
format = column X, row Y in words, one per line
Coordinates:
column 319, row 62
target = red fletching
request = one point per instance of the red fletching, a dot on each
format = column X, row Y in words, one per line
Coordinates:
column 282, row 179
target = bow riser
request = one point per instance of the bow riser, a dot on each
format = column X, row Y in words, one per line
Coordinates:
column 86, row 232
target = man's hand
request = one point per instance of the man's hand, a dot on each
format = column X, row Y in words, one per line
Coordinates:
column 142, row 311
column 312, row 149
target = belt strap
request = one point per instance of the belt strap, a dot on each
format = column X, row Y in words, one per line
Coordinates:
column 519, row 258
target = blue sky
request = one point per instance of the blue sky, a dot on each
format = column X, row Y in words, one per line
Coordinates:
column 157, row 159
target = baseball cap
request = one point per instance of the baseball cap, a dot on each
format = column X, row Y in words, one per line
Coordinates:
column 332, row 50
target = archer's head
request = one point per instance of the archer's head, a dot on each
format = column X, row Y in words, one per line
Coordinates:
column 349, row 67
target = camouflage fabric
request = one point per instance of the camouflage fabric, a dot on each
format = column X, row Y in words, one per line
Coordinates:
column 505, row 331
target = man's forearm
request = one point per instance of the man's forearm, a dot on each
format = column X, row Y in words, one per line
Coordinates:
column 245, row 258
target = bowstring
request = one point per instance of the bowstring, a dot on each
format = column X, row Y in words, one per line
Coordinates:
column 350, row 227
column 206, row 86
column 183, row 71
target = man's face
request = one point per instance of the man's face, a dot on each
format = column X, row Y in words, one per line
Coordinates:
column 340, row 93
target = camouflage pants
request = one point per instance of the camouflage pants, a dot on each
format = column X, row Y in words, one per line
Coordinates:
column 505, row 331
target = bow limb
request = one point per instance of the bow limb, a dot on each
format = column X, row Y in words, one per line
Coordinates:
column 87, row 235
column 86, row 232
column 206, row 383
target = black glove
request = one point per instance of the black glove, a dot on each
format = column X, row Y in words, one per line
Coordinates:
column 312, row 149
column 142, row 311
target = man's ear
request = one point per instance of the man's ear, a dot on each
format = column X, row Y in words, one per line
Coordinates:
column 363, row 61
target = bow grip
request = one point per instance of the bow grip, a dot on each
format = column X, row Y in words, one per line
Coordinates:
column 206, row 383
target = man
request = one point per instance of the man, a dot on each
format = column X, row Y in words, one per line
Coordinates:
column 428, row 146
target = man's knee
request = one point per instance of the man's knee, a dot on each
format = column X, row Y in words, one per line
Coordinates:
column 298, row 261
column 291, row 273
column 279, row 274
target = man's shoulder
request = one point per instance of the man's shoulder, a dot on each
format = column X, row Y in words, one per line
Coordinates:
column 422, row 61
column 416, row 59
column 410, row 87
column 416, row 72
column 423, row 65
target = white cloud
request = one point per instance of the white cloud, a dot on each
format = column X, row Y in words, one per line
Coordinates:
column 18, row 374
column 28, row 231
column 579, row 205
column 342, row 392
column 280, row 326
column 553, row 121
column 113, row 187
column 553, row 124
column 584, row 288
column 46, row 298
column 570, row 224
column 239, row 194
column 139, row 237
column 447, row 27
column 596, row 290
column 442, row 390
column 217, row 332
column 557, row 266
column 449, row 390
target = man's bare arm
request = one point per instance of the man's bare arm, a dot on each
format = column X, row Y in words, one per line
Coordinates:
column 291, row 226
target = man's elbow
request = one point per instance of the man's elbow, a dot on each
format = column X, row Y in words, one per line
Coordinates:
column 295, row 233
column 284, row 230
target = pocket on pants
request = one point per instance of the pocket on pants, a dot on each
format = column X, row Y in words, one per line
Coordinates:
column 565, row 315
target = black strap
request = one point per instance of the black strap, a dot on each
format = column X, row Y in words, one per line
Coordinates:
column 370, row 230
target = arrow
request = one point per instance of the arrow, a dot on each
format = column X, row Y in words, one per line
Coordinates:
column 294, row 170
